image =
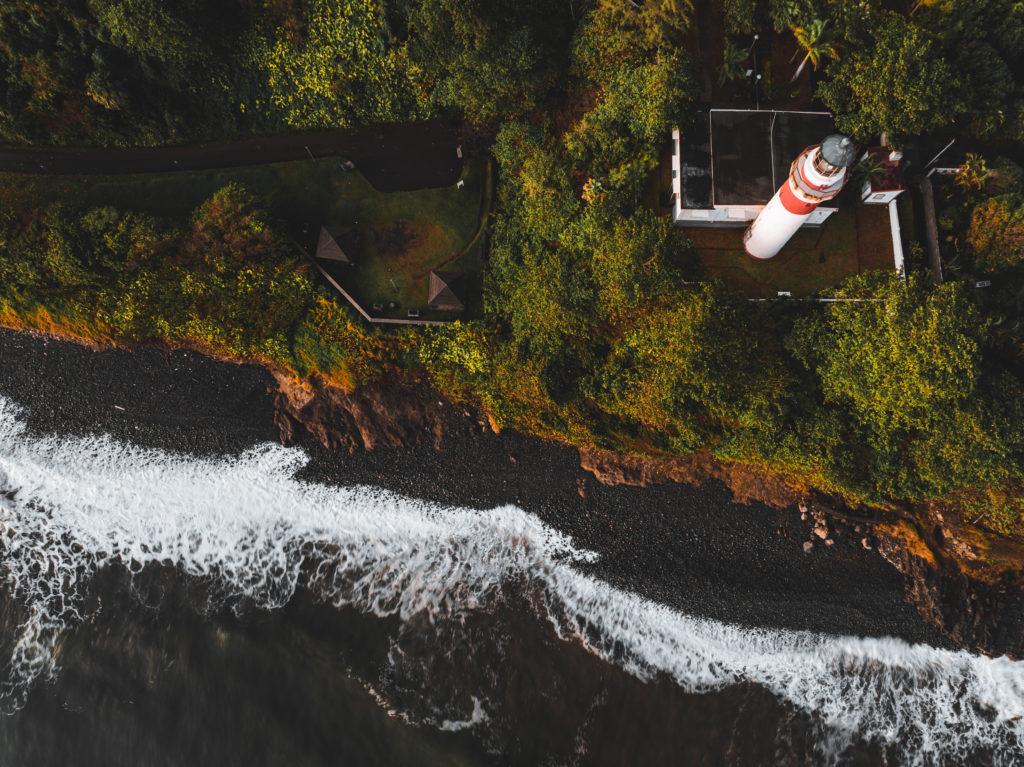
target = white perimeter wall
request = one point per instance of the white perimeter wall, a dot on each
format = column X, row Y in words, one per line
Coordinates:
column 736, row 215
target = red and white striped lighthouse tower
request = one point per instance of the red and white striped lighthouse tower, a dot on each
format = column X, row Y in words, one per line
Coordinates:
column 817, row 175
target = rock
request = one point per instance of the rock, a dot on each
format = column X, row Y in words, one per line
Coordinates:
column 802, row 506
column 974, row 608
column 747, row 483
column 803, row 517
column 512, row 458
column 820, row 524
column 386, row 414
column 865, row 543
column 808, row 546
column 829, row 542
column 285, row 427
column 581, row 488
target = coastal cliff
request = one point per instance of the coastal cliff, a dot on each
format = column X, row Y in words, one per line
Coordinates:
column 967, row 584
column 388, row 413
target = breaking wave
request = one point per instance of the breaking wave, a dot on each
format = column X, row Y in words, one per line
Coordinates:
column 72, row 506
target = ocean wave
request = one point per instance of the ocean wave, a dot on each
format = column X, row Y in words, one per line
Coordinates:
column 71, row 506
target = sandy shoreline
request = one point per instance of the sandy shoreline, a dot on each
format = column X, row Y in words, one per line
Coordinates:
column 691, row 548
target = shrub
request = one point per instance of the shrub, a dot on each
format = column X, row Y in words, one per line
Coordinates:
column 996, row 235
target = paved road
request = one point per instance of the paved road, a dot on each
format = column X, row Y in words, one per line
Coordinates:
column 392, row 157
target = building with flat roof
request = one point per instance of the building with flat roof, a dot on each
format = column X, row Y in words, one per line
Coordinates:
column 885, row 181
column 730, row 162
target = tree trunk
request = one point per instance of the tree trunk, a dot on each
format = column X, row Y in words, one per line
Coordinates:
column 799, row 69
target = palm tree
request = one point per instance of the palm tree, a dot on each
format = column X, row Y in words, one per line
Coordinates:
column 869, row 167
column 816, row 45
column 733, row 62
column 972, row 175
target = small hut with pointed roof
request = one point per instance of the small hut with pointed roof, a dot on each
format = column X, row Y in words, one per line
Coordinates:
column 447, row 292
column 327, row 248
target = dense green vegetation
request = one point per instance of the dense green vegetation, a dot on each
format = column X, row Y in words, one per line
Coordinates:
column 155, row 71
column 940, row 64
column 219, row 281
column 596, row 327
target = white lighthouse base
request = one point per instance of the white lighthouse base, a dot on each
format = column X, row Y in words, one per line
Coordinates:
column 772, row 229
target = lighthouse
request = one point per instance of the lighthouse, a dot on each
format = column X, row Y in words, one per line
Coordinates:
column 817, row 175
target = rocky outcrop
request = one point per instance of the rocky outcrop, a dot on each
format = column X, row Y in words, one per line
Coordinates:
column 747, row 483
column 973, row 597
column 388, row 413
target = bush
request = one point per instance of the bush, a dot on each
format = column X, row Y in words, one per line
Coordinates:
column 996, row 235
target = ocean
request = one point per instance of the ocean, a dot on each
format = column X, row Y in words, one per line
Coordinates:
column 164, row 608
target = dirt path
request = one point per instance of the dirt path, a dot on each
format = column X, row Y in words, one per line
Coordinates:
column 392, row 157
column 931, row 228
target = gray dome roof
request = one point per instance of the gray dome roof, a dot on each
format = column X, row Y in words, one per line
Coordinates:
column 839, row 150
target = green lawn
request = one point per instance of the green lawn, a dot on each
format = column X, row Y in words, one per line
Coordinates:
column 398, row 240
column 394, row 238
column 854, row 240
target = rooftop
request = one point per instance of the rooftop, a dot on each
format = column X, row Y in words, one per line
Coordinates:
column 446, row 291
column 741, row 156
column 327, row 247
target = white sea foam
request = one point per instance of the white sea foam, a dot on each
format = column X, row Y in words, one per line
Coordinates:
column 75, row 504
column 477, row 717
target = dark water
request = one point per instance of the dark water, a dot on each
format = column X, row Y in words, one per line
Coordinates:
column 149, row 681
column 155, row 678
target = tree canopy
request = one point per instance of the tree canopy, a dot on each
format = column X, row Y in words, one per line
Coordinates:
column 996, row 234
column 339, row 69
column 692, row 366
column 897, row 83
column 898, row 356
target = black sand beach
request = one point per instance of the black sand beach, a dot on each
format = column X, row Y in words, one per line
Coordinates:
column 691, row 548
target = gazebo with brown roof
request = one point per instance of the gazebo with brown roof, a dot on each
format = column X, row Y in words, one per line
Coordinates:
column 327, row 248
column 446, row 291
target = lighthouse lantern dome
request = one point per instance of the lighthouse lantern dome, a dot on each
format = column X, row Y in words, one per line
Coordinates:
column 839, row 151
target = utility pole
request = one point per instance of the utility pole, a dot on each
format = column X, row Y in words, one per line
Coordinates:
column 757, row 74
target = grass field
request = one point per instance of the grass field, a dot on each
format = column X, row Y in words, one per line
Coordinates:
column 394, row 238
column 396, row 242
column 854, row 240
